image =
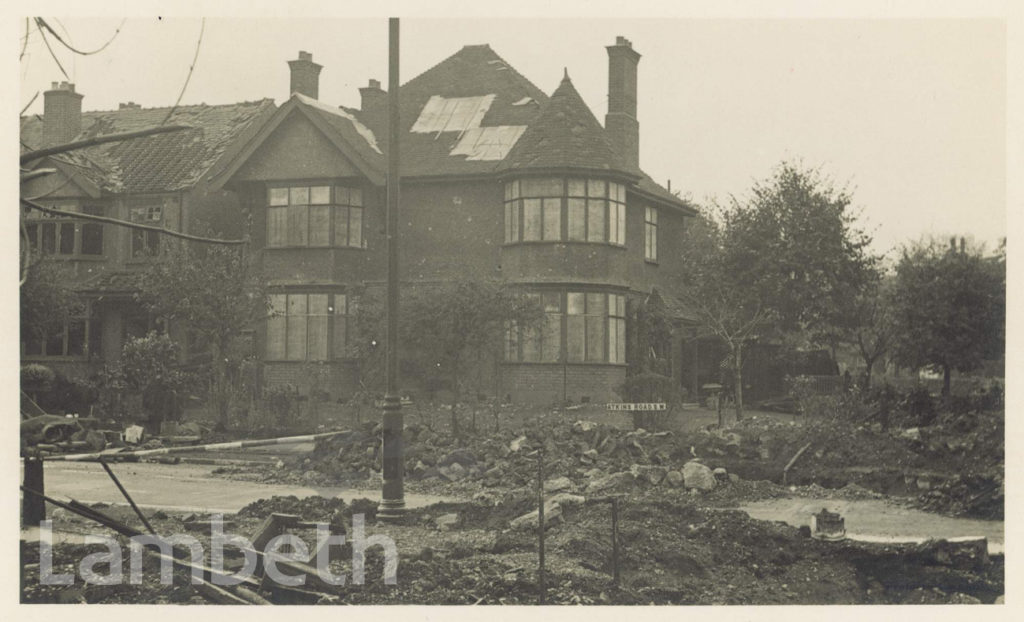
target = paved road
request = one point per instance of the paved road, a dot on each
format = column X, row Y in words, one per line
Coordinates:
column 877, row 520
column 185, row 487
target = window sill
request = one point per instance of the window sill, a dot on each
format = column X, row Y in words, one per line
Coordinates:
column 313, row 248
column 651, row 262
column 571, row 364
column 564, row 243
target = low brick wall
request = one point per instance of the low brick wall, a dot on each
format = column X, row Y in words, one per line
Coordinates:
column 340, row 379
column 547, row 383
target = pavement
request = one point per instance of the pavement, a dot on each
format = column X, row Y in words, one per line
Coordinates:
column 184, row 487
column 876, row 520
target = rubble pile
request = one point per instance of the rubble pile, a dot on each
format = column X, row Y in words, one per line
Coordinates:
column 314, row 508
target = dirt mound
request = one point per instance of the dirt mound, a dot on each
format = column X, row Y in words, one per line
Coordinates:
column 315, row 508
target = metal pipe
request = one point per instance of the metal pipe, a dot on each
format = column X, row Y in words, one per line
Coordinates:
column 128, row 498
column 392, row 495
column 284, row 440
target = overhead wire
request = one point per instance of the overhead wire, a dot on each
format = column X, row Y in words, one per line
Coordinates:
column 195, row 57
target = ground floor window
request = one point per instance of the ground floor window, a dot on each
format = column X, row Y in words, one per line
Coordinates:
column 307, row 326
column 579, row 327
column 77, row 336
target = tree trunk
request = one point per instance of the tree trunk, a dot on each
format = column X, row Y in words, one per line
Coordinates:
column 455, row 405
column 737, row 361
column 945, row 380
column 869, row 364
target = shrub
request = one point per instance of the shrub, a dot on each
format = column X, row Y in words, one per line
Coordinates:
column 37, row 378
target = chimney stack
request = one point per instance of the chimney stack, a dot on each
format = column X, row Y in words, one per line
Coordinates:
column 374, row 98
column 305, row 75
column 62, row 114
column 621, row 123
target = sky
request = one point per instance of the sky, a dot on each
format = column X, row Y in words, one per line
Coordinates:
column 909, row 114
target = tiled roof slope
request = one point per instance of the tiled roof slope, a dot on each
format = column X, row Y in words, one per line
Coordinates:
column 473, row 71
column 159, row 163
column 564, row 134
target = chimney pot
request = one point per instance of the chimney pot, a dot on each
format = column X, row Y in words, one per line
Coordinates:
column 305, row 75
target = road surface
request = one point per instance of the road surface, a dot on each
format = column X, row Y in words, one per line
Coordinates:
column 877, row 520
column 183, row 487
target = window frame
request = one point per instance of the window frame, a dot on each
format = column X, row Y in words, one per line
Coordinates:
column 36, row 223
column 91, row 331
column 516, row 350
column 597, row 196
column 338, row 317
column 286, row 209
column 650, row 234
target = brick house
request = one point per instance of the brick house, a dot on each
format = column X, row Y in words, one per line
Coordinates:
column 500, row 181
column 159, row 180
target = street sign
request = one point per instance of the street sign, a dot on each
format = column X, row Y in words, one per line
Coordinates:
column 639, row 406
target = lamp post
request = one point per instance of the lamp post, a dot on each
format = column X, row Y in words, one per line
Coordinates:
column 393, row 496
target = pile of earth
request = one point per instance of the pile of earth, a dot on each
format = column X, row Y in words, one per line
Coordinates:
column 979, row 495
column 314, row 508
column 672, row 551
column 758, row 448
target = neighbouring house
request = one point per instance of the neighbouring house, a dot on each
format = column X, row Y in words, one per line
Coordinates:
column 161, row 180
column 499, row 181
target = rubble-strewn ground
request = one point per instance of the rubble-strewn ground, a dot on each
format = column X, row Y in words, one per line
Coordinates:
column 680, row 540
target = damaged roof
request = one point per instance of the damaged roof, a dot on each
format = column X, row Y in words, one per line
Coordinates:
column 564, row 135
column 158, row 163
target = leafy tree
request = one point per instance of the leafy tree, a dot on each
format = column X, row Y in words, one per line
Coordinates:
column 216, row 294
column 446, row 329
column 875, row 330
column 950, row 309
column 785, row 260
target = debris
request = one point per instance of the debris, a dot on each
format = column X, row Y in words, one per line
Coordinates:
column 827, row 525
column 446, row 521
column 697, row 476
column 557, row 484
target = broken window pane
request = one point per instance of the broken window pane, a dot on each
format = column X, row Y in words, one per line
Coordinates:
column 92, row 239
column 67, row 238
column 49, row 237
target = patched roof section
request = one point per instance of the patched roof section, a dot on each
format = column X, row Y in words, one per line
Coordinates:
column 565, row 135
column 159, row 163
column 463, row 115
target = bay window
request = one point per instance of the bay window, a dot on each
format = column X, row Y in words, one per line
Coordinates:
column 315, row 216
column 588, row 210
column 63, row 236
column 307, row 326
column 579, row 327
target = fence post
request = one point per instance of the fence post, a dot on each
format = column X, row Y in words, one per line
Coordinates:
column 33, row 507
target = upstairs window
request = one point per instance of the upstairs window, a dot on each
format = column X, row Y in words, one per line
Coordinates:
column 650, row 234
column 315, row 216
column 63, row 236
column 145, row 243
column 558, row 210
